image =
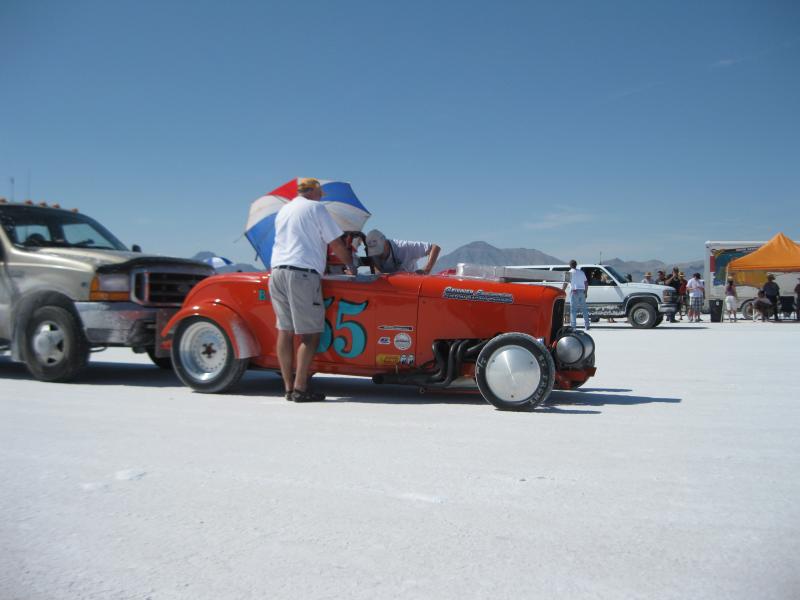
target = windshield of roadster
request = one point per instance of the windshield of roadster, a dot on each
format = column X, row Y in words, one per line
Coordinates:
column 39, row 227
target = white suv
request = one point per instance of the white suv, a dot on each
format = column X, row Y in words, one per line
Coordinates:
column 611, row 295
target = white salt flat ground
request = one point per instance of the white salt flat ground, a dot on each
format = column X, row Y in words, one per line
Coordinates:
column 675, row 474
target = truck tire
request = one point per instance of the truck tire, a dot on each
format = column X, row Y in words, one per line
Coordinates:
column 54, row 348
column 514, row 371
column 203, row 357
column 642, row 315
column 747, row 310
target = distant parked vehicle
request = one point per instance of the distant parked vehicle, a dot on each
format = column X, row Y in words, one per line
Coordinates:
column 717, row 257
column 609, row 294
column 68, row 286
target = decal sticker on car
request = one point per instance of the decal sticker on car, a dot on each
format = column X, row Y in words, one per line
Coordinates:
column 453, row 293
column 262, row 295
column 387, row 360
column 385, row 340
column 396, row 327
column 406, row 359
column 402, row 341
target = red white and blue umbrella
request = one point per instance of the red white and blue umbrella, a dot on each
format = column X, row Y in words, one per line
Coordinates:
column 339, row 198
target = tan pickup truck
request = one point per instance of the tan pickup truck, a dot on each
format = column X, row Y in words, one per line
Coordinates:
column 69, row 287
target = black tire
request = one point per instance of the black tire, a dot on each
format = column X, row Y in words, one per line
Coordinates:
column 195, row 349
column 54, row 348
column 162, row 362
column 498, row 360
column 659, row 320
column 747, row 310
column 642, row 315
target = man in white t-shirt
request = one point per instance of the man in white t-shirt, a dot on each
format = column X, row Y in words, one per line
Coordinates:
column 303, row 231
column 575, row 279
column 696, row 289
column 391, row 256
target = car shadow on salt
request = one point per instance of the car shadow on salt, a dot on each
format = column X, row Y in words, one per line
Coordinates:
column 601, row 397
column 355, row 390
column 104, row 373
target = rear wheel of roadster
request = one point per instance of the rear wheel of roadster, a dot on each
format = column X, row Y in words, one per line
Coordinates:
column 203, row 356
column 515, row 371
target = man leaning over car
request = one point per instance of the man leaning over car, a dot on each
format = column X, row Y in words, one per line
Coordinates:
column 303, row 231
column 393, row 256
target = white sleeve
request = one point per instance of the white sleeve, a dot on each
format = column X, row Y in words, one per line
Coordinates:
column 328, row 228
column 413, row 250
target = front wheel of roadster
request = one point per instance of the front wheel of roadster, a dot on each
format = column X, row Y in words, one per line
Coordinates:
column 515, row 371
column 203, row 356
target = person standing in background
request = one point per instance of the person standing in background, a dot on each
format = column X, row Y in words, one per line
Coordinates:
column 674, row 281
column 773, row 294
column 730, row 299
column 683, row 300
column 797, row 301
column 696, row 289
column 575, row 278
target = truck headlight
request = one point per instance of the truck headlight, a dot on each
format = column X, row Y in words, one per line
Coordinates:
column 111, row 287
column 668, row 295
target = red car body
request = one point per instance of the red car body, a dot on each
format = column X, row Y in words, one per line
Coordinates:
column 396, row 328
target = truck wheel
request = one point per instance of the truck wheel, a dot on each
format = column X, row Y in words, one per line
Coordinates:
column 643, row 316
column 162, row 362
column 747, row 310
column 515, row 371
column 55, row 348
column 203, row 357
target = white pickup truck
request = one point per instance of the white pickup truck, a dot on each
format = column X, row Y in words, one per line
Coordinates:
column 611, row 295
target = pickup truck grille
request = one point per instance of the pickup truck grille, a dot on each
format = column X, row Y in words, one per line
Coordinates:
column 154, row 288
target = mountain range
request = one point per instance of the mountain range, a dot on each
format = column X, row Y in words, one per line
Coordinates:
column 482, row 253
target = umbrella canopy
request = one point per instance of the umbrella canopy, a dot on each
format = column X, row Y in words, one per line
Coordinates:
column 218, row 262
column 780, row 254
column 339, row 198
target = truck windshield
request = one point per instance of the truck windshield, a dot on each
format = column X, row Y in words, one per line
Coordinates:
column 37, row 227
column 615, row 274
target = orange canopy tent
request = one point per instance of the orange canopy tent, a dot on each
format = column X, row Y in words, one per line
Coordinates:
column 779, row 255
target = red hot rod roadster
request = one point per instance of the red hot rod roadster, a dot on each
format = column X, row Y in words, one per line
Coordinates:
column 429, row 331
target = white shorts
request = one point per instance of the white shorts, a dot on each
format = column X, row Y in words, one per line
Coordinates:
column 730, row 303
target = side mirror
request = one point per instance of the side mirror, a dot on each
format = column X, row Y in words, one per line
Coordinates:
column 136, row 248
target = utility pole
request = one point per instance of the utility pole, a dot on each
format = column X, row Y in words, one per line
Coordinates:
column 11, row 180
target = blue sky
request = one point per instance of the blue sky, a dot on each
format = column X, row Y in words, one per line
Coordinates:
column 637, row 129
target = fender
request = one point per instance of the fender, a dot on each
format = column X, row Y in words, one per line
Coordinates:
column 244, row 344
column 25, row 306
column 633, row 298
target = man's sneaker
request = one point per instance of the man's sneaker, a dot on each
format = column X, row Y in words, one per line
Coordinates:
column 307, row 396
column 288, row 395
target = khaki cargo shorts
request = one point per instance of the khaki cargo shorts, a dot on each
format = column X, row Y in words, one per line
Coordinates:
column 297, row 301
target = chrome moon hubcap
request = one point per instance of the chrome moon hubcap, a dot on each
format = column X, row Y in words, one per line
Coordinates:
column 48, row 343
column 203, row 351
column 512, row 373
